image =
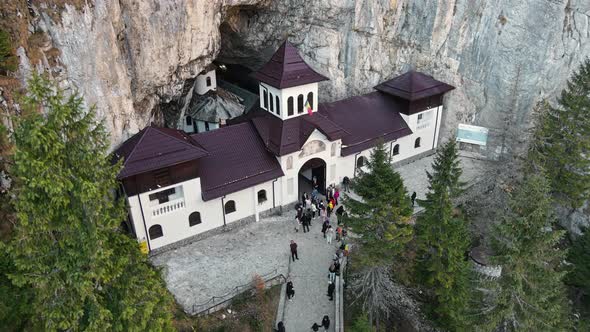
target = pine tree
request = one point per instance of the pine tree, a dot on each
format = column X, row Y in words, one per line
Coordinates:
column 382, row 214
column 83, row 273
column 530, row 295
column 442, row 238
column 562, row 140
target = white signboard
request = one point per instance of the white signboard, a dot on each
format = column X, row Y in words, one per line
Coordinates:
column 472, row 134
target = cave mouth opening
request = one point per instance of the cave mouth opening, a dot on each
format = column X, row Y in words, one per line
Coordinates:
column 224, row 89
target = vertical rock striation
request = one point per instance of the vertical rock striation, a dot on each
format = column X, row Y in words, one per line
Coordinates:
column 128, row 56
column 502, row 56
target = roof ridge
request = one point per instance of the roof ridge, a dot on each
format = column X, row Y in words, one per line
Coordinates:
column 175, row 138
column 144, row 130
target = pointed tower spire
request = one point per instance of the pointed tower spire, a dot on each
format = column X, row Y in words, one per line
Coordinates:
column 287, row 69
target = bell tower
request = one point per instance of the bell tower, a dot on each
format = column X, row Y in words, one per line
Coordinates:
column 288, row 86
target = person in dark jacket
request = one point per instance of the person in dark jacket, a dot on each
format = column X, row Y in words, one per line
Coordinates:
column 331, row 288
column 326, row 322
column 413, row 198
column 315, row 327
column 346, row 184
column 294, row 250
column 290, row 290
column 281, row 327
column 325, row 226
column 306, row 221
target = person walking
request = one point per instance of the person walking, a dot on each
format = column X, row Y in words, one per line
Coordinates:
column 315, row 327
column 329, row 209
column 325, row 226
column 336, row 195
column 332, row 271
column 326, row 322
column 314, row 209
column 322, row 209
column 297, row 223
column 294, row 250
column 413, row 198
column 331, row 288
column 339, row 233
column 290, row 290
column 329, row 234
column 346, row 184
column 305, row 221
column 308, row 202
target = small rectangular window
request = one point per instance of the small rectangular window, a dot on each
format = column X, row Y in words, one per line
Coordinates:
column 189, row 121
column 206, row 126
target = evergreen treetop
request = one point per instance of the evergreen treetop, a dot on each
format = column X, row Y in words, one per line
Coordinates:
column 562, row 140
column 382, row 214
column 531, row 295
column 442, row 238
column 83, row 273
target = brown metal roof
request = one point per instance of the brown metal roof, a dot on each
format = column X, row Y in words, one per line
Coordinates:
column 282, row 137
column 286, row 69
column 413, row 85
column 237, row 160
column 366, row 119
column 153, row 148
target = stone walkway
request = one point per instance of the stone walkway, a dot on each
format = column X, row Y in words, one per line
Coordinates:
column 310, row 280
column 216, row 265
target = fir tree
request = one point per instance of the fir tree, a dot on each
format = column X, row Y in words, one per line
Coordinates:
column 579, row 257
column 83, row 273
column 382, row 214
column 530, row 295
column 442, row 239
column 562, row 140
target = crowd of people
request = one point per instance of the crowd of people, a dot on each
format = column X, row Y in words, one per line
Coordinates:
column 311, row 207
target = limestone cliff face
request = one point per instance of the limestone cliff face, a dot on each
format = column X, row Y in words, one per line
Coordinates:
column 128, row 56
column 501, row 55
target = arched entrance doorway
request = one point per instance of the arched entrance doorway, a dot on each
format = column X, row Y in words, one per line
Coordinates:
column 312, row 169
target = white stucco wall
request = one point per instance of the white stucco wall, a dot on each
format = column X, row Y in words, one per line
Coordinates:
column 299, row 159
column 201, row 82
column 175, row 224
column 284, row 94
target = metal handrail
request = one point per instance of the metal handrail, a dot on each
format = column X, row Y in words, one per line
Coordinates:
column 211, row 303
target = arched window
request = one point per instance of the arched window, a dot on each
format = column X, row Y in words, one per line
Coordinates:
column 289, row 106
column 417, row 143
column 310, row 99
column 278, row 105
column 261, row 196
column 155, row 232
column 230, row 206
column 271, row 102
column 396, row 149
column 208, row 81
column 300, row 104
column 265, row 98
column 360, row 162
column 194, row 219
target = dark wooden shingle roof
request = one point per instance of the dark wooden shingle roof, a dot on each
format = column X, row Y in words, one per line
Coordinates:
column 367, row 119
column 286, row 69
column 413, row 85
column 237, row 160
column 154, row 148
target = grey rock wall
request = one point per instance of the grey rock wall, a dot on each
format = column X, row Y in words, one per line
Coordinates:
column 127, row 57
column 501, row 55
